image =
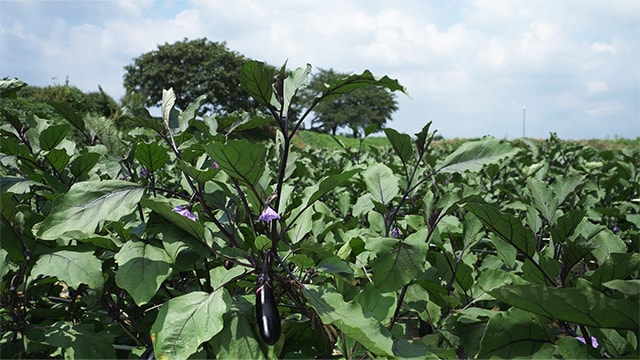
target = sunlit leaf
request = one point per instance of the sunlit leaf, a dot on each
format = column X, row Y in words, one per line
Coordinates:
column 507, row 227
column 52, row 136
column 580, row 305
column 350, row 319
column 185, row 322
column 87, row 204
column 152, row 156
column 141, row 269
column 400, row 266
column 516, row 333
column 473, row 155
column 381, row 183
column 241, row 159
column 257, row 78
column 71, row 267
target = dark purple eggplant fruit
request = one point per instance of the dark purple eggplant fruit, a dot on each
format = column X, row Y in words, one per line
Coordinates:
column 267, row 313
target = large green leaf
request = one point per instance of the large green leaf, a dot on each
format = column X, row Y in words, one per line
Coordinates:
column 350, row 83
column 473, row 155
column 507, row 227
column 328, row 184
column 152, row 156
column 545, row 200
column 381, row 183
column 185, row 322
column 350, row 319
column 257, row 78
column 81, row 165
column 71, row 267
column 617, row 266
column 241, row 159
column 514, row 334
column 292, row 83
column 580, row 305
column 164, row 208
column 401, row 144
column 189, row 113
column 141, row 269
column 52, row 136
column 17, row 185
column 79, row 341
column 237, row 339
column 400, row 266
column 88, row 203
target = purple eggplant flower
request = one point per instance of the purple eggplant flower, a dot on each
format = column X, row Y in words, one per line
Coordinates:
column 395, row 232
column 268, row 214
column 185, row 211
column 214, row 166
column 593, row 343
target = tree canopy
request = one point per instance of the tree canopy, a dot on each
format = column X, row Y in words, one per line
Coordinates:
column 192, row 68
column 353, row 111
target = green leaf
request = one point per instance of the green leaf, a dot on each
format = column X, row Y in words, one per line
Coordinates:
column 17, row 185
column 68, row 113
column 81, row 165
column 185, row 322
column 627, row 287
column 565, row 225
column 292, row 83
column 169, row 114
column 350, row 319
column 141, row 270
column 9, row 87
column 544, row 198
column 237, row 339
column 87, row 204
column 71, row 267
column 164, row 208
column 381, row 183
column 507, row 227
column 401, row 144
column 617, row 266
column 189, row 113
column 570, row 348
column 257, row 78
column 350, row 83
column 52, row 136
column 582, row 305
column 473, row 155
column 79, row 341
column 335, row 265
column 58, row 158
column 220, row 276
column 152, row 156
column 401, row 265
column 516, row 333
column 330, row 183
column 240, row 159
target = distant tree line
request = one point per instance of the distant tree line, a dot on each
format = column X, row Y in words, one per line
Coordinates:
column 196, row 67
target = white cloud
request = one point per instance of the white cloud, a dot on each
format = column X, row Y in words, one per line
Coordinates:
column 469, row 65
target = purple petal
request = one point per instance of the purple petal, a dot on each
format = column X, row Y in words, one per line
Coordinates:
column 214, row 166
column 594, row 341
column 268, row 214
column 395, row 232
column 184, row 211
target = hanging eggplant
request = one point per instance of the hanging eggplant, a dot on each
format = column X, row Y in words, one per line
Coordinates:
column 266, row 307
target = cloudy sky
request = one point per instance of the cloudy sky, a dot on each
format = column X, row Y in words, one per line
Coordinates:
column 470, row 66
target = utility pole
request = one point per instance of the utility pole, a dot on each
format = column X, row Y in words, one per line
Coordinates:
column 524, row 116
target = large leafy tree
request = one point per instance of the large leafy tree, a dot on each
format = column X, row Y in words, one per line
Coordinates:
column 353, row 111
column 192, row 68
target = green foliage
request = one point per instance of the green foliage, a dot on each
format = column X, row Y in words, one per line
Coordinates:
column 192, row 68
column 404, row 248
column 347, row 107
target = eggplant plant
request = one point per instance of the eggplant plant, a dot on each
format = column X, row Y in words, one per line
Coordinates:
column 191, row 240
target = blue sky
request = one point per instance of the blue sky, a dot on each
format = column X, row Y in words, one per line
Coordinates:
column 470, row 66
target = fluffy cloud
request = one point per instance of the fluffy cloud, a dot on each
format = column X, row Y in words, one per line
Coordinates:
column 469, row 65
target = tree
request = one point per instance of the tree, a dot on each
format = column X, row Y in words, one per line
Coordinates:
column 355, row 110
column 192, row 68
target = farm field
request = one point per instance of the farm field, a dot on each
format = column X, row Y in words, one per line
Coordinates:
column 181, row 238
